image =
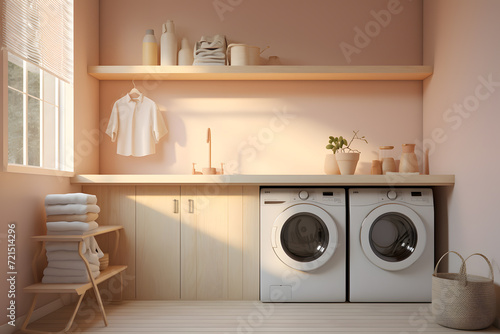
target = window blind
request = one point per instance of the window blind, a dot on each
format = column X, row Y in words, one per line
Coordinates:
column 41, row 32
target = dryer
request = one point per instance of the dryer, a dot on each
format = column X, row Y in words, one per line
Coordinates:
column 391, row 244
column 302, row 245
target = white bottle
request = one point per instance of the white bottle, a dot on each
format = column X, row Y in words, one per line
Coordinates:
column 168, row 44
column 185, row 53
column 149, row 48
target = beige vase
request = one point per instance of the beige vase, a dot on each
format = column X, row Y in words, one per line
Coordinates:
column 409, row 161
column 331, row 166
column 347, row 162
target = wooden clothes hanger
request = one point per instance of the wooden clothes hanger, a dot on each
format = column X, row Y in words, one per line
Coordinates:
column 134, row 91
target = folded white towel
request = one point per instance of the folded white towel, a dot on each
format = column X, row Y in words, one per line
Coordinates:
column 71, row 226
column 71, row 264
column 53, row 246
column 88, row 217
column 69, row 279
column 71, row 198
column 72, row 256
column 64, row 272
column 71, row 209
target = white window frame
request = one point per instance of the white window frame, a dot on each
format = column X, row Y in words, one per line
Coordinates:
column 65, row 143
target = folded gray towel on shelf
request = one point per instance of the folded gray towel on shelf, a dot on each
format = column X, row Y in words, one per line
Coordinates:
column 64, row 272
column 92, row 258
column 52, row 246
column 71, row 264
column 211, row 54
column 210, row 50
column 211, row 42
column 69, row 279
column 208, row 63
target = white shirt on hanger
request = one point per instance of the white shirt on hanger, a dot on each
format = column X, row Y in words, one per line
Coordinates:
column 136, row 125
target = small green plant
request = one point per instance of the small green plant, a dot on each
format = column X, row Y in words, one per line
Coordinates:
column 340, row 143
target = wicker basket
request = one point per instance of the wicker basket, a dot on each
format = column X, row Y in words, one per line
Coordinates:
column 463, row 301
column 104, row 262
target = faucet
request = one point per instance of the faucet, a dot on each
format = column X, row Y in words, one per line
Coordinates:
column 209, row 170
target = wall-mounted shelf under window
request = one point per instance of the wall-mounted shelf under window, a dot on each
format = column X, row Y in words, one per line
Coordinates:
column 260, row 72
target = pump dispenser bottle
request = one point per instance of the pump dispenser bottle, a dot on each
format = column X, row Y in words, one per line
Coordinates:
column 168, row 44
column 149, row 49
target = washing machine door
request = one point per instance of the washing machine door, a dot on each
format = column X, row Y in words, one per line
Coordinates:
column 393, row 237
column 304, row 237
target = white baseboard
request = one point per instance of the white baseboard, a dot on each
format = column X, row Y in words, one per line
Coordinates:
column 37, row 314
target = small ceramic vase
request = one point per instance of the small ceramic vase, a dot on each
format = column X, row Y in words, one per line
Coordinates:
column 376, row 167
column 408, row 162
column 387, row 159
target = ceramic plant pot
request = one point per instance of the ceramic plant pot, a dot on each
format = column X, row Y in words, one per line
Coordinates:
column 347, row 162
column 331, row 166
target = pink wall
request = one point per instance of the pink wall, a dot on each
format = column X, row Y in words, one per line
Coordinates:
column 241, row 114
column 86, row 87
column 461, row 116
column 22, row 195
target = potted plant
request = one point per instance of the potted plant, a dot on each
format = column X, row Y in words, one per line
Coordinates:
column 346, row 157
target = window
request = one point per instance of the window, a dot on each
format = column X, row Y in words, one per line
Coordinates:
column 37, row 105
column 38, row 59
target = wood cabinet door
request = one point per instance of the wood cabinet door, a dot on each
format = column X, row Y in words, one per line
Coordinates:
column 158, row 242
column 215, row 255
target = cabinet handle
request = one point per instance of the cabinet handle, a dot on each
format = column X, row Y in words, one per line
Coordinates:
column 176, row 206
column 191, row 206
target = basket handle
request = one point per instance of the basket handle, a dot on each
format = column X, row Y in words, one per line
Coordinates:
column 463, row 270
column 487, row 261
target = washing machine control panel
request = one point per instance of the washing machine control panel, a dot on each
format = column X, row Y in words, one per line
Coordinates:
column 323, row 196
column 415, row 196
column 286, row 196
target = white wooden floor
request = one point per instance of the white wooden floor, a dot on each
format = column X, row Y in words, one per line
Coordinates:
column 249, row 317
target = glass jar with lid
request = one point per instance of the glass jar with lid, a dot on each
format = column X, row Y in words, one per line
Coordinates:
column 387, row 159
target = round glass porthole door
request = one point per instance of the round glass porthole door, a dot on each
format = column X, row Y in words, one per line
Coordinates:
column 304, row 237
column 393, row 237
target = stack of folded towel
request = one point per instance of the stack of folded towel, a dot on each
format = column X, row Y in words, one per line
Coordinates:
column 70, row 214
column 210, row 50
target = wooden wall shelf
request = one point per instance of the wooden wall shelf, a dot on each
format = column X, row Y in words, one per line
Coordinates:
column 416, row 72
column 267, row 180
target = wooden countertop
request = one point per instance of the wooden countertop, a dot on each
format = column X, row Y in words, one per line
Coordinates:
column 267, row 180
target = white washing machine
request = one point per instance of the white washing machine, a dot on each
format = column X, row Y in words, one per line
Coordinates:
column 302, row 245
column 391, row 245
